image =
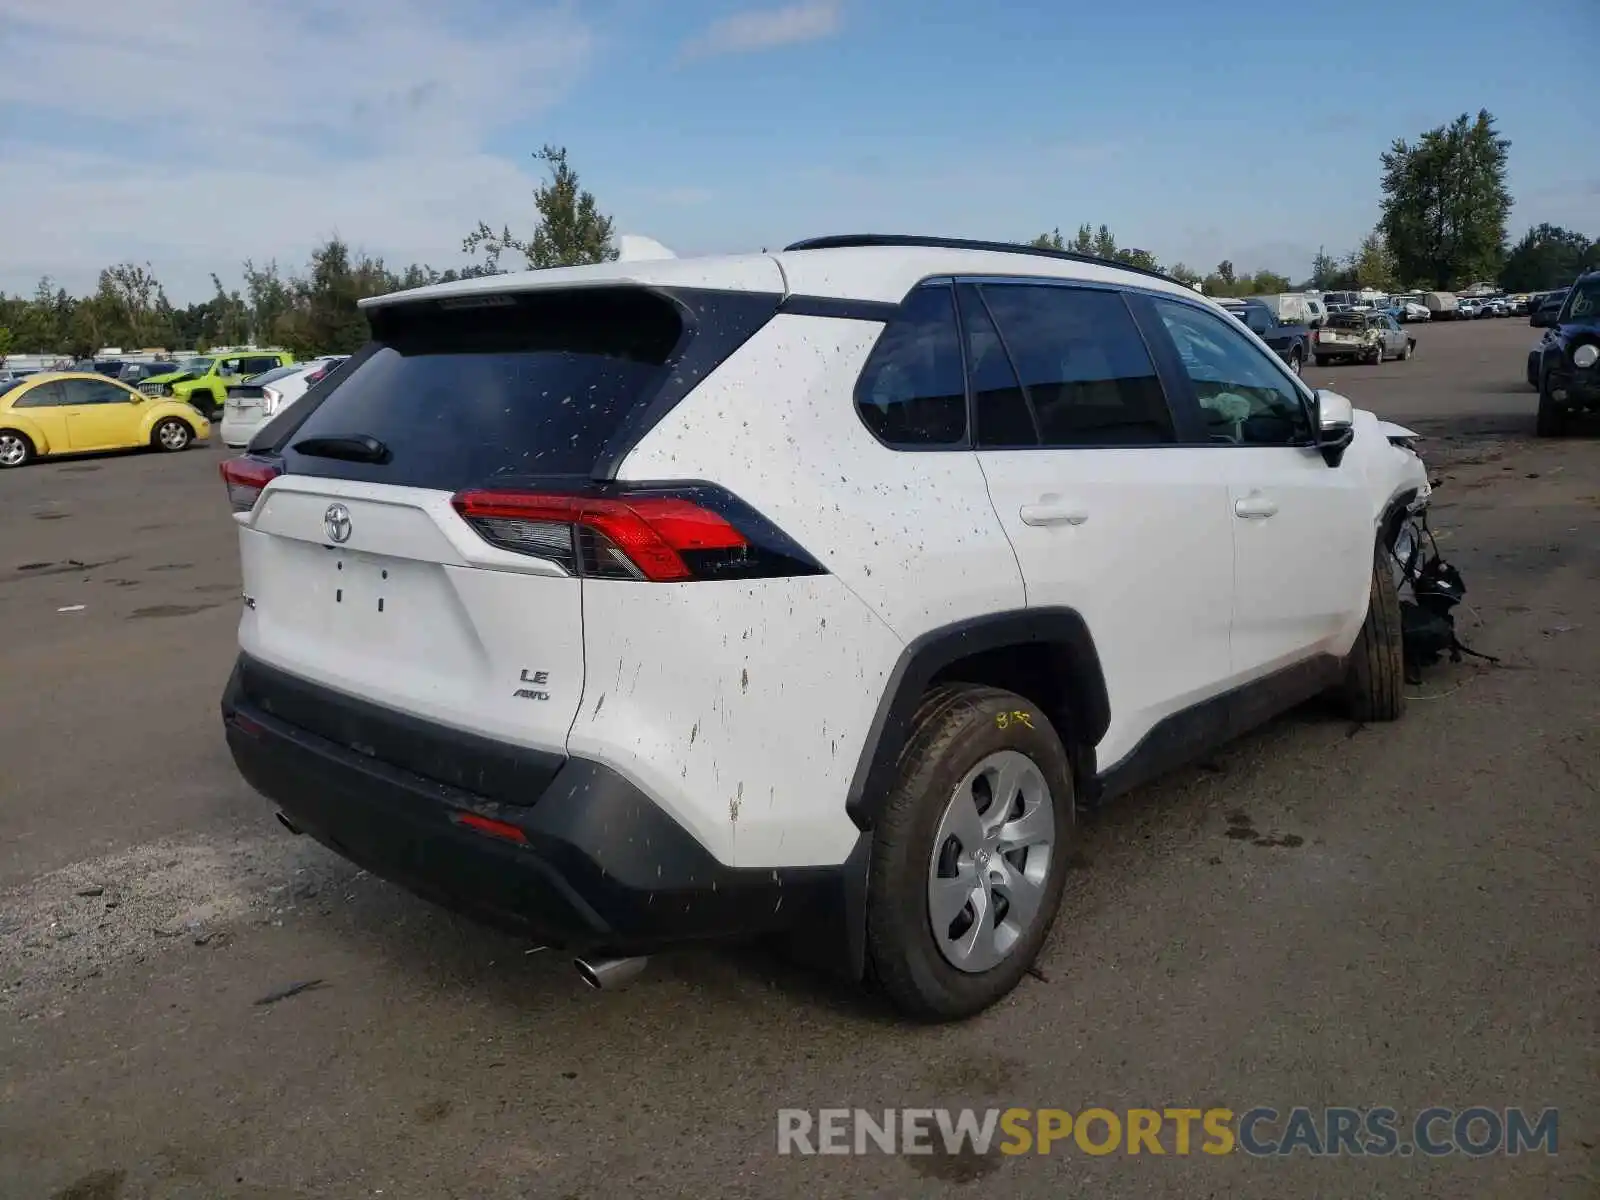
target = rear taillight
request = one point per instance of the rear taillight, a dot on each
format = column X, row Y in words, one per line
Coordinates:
column 316, row 376
column 657, row 536
column 246, row 477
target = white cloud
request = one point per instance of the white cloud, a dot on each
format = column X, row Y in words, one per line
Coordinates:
column 765, row 29
column 365, row 117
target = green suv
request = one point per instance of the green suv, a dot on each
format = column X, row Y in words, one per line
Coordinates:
column 204, row 380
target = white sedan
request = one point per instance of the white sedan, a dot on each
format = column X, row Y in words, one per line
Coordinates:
column 255, row 401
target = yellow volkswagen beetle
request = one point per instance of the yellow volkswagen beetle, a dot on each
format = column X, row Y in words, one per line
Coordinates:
column 74, row 412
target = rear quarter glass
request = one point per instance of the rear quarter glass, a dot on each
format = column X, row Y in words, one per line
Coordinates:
column 523, row 387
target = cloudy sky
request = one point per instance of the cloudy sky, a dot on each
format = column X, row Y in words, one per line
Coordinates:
column 193, row 134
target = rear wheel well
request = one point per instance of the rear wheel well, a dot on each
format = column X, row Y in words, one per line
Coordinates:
column 1045, row 654
column 1041, row 672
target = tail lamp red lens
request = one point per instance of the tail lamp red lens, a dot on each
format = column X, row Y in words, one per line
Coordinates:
column 631, row 537
column 503, row 830
column 246, row 478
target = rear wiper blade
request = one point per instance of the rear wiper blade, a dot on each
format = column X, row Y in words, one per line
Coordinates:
column 354, row 447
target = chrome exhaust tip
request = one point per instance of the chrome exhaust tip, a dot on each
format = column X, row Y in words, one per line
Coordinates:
column 610, row 974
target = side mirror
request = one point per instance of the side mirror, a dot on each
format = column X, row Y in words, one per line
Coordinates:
column 1336, row 425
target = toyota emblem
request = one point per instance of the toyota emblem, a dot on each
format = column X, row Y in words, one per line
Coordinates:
column 337, row 522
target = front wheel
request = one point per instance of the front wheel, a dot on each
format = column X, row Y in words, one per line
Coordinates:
column 172, row 435
column 969, row 856
column 1374, row 684
column 1297, row 360
column 1406, row 350
column 1552, row 418
column 1375, row 355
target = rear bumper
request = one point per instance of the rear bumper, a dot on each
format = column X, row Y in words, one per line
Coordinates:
column 599, row 867
column 237, row 432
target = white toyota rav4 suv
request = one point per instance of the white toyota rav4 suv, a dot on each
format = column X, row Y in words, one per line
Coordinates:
column 646, row 603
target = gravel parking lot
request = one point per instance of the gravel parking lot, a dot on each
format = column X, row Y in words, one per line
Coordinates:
column 196, row 1004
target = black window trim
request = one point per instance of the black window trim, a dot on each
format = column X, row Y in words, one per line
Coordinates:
column 1011, row 359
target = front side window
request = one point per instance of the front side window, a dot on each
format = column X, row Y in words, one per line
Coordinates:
column 913, row 391
column 1083, row 365
column 1583, row 301
column 1245, row 397
column 91, row 391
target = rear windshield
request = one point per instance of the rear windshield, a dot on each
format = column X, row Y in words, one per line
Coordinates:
column 495, row 388
column 275, row 373
column 1348, row 320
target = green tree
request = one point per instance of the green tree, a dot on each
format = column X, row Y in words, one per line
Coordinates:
column 1548, row 256
column 1266, row 283
column 1049, row 241
column 1445, row 203
column 571, row 230
column 228, row 320
column 268, row 297
column 1326, row 272
column 1373, row 265
column 1138, row 258
column 5, row 344
column 1184, row 273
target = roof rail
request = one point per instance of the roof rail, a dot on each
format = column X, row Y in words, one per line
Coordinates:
column 846, row 241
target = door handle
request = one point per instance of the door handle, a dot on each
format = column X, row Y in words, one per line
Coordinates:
column 1051, row 513
column 1255, row 507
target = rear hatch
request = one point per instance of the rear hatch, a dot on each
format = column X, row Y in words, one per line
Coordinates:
column 365, row 569
column 245, row 402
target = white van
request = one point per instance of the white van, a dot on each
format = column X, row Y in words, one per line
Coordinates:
column 1295, row 308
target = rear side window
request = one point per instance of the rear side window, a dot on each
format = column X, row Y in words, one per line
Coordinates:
column 1083, row 364
column 913, row 390
column 501, row 387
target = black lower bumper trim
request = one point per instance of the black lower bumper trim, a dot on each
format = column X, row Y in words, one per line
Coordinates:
column 601, row 868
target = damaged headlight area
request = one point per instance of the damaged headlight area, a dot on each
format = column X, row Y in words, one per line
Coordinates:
column 1430, row 589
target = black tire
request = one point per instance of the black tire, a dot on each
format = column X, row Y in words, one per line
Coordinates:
column 1406, row 352
column 1376, row 357
column 24, row 445
column 1374, row 686
column 165, row 436
column 1297, row 360
column 954, row 729
column 1551, row 421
